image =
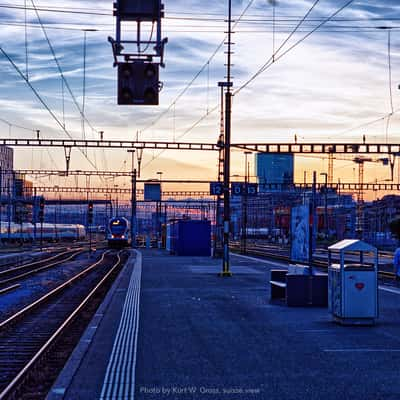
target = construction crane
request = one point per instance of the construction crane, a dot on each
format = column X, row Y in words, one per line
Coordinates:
column 360, row 160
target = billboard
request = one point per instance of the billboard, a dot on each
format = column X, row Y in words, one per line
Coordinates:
column 300, row 234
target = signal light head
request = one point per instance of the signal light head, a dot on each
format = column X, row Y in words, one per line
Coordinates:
column 150, row 71
column 126, row 71
column 150, row 96
column 126, row 96
column 138, row 83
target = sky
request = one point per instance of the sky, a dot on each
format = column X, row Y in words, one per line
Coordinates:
column 330, row 87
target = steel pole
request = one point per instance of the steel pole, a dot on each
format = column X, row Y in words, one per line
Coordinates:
column 133, row 200
column 133, row 205
column 1, row 203
column 227, row 152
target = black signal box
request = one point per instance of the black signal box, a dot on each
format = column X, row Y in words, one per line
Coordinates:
column 138, row 10
column 138, row 83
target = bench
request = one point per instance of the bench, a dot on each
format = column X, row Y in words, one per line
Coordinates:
column 299, row 288
column 278, row 284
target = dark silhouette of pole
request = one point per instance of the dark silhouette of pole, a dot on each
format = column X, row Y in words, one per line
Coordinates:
column 325, row 204
column 133, row 200
column 245, row 203
column 227, row 151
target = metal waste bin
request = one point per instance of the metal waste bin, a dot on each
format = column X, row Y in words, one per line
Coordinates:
column 353, row 283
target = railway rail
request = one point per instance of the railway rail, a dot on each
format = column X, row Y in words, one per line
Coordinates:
column 266, row 251
column 37, row 340
column 15, row 274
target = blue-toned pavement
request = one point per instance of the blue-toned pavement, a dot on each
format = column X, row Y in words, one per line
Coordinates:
column 205, row 337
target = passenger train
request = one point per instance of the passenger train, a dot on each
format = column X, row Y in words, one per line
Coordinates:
column 118, row 232
column 26, row 231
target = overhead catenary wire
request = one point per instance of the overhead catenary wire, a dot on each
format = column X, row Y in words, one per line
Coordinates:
column 208, row 111
column 203, row 16
column 10, row 124
column 390, row 86
column 204, row 66
column 65, row 82
column 41, row 100
column 194, row 125
column 204, row 28
column 274, row 59
column 60, row 69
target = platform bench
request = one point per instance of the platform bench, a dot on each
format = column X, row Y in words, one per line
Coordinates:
column 278, row 284
column 299, row 290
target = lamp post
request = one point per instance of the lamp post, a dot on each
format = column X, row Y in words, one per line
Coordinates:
column 325, row 203
column 116, row 203
column 246, row 182
column 158, row 209
column 133, row 201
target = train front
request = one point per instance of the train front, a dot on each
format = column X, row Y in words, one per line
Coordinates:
column 118, row 232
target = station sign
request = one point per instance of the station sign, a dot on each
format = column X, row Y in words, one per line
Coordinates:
column 216, row 188
column 243, row 189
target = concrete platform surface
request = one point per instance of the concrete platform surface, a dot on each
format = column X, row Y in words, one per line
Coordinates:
column 188, row 334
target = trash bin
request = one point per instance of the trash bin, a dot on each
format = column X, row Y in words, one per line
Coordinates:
column 353, row 283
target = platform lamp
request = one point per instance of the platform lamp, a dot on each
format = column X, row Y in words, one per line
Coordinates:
column 325, row 203
column 133, row 200
column 158, row 208
column 246, row 184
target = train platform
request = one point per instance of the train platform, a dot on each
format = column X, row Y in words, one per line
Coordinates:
column 172, row 329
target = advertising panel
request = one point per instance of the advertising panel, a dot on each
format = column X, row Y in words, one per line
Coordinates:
column 300, row 234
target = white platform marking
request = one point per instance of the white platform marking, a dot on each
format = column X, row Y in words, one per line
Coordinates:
column 119, row 381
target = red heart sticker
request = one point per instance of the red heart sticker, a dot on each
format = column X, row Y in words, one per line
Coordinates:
column 359, row 285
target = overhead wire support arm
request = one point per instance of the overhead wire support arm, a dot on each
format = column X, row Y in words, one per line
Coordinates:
column 139, row 12
column 278, row 148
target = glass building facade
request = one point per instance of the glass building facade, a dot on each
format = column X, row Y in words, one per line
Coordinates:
column 274, row 168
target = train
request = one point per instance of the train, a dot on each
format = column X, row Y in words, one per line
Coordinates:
column 118, row 232
column 26, row 232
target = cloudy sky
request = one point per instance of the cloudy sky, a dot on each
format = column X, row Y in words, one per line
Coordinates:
column 331, row 86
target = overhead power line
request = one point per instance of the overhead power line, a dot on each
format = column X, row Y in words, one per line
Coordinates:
column 199, row 16
column 39, row 97
column 204, row 66
column 205, row 28
column 274, row 58
column 81, row 111
column 10, row 124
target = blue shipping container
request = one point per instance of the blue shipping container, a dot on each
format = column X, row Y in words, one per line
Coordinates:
column 189, row 238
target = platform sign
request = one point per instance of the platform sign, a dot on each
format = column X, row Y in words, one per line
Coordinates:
column 241, row 189
column 152, row 192
column 300, row 234
column 216, row 188
column 252, row 189
column 237, row 188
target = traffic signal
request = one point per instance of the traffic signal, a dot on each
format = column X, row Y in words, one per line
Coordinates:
column 41, row 210
column 138, row 83
column 90, row 213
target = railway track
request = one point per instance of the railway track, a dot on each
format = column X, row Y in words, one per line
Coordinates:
column 36, row 341
column 15, row 274
column 261, row 251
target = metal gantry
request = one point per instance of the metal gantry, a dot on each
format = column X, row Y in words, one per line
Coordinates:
column 105, row 190
column 273, row 148
column 108, row 144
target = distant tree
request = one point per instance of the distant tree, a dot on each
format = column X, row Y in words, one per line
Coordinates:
column 394, row 227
